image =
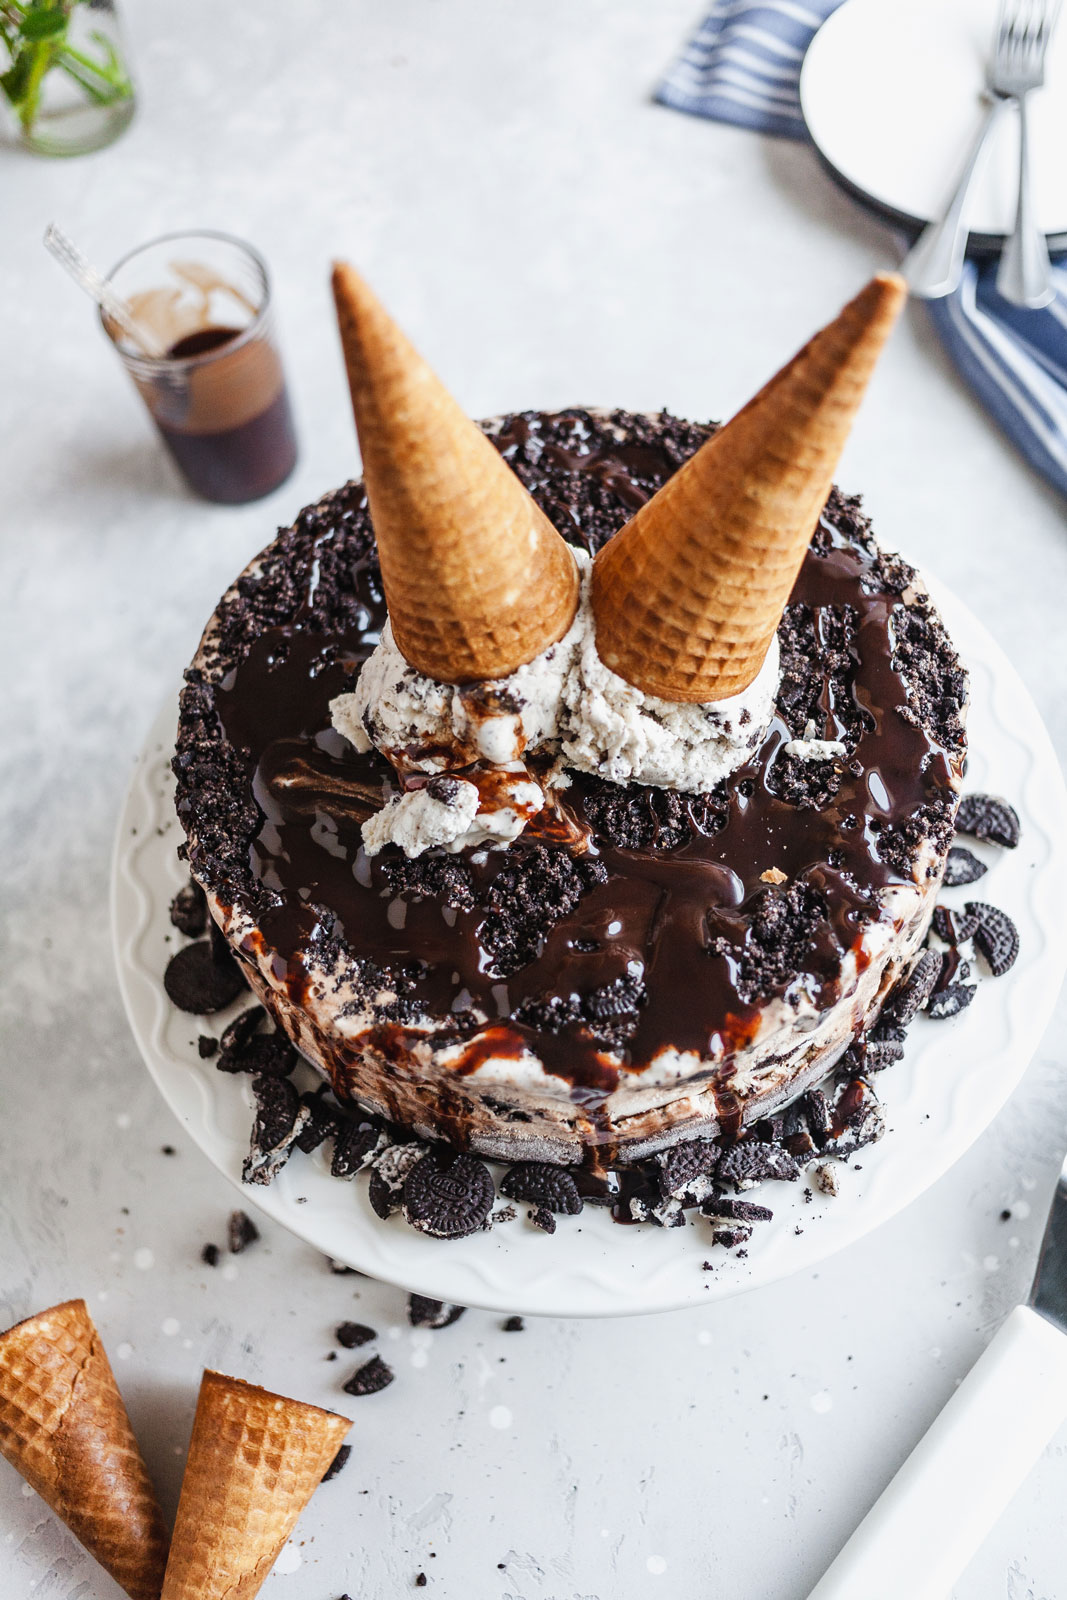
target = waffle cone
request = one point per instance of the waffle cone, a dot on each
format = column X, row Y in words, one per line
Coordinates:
column 477, row 579
column 64, row 1427
column 687, row 597
column 254, row 1462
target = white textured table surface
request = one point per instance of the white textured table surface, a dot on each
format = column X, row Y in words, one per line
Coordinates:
column 549, row 237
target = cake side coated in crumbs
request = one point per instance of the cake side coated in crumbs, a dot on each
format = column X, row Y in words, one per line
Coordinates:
column 488, row 996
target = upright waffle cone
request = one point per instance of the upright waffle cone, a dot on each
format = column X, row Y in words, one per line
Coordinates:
column 255, row 1460
column 477, row 579
column 64, row 1427
column 688, row 596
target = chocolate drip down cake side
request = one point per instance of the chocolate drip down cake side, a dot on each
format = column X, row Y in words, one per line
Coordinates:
column 579, row 783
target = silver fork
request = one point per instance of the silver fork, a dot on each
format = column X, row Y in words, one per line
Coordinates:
column 934, row 264
column 1024, row 276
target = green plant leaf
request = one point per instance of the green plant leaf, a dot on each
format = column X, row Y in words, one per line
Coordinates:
column 16, row 80
column 44, row 24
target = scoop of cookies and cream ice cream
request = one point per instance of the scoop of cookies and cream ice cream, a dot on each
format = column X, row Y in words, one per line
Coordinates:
column 506, row 744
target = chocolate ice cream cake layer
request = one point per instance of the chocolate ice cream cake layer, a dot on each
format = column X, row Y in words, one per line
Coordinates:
column 645, row 965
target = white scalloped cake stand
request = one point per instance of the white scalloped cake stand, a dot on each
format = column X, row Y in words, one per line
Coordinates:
column 954, row 1078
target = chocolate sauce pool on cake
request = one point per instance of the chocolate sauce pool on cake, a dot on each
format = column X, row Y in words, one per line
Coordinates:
column 684, row 927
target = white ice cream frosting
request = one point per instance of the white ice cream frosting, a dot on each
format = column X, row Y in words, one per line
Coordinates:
column 566, row 706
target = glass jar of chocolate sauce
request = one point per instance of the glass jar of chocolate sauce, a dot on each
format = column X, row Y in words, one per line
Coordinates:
column 217, row 392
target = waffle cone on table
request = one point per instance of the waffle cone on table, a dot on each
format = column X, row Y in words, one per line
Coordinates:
column 255, row 1460
column 688, row 596
column 64, row 1427
column 477, row 579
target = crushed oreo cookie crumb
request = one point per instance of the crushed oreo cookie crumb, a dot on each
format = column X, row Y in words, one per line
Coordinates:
column 514, row 1325
column 209, row 1255
column 241, row 1231
column 542, row 1218
column 206, row 1047
column 826, row 1180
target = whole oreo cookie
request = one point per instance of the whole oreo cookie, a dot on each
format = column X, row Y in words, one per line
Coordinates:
column 448, row 1197
column 195, row 981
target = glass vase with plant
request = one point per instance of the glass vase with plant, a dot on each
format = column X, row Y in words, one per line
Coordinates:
column 65, row 76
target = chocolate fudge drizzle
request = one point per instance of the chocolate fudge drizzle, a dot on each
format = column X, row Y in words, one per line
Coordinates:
column 683, row 930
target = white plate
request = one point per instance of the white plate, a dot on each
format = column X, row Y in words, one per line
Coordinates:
column 954, row 1078
column 891, row 93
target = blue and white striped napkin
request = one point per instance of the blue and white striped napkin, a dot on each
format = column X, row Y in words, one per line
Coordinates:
column 743, row 66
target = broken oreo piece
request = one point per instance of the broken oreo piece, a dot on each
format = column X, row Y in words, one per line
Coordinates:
column 280, row 1119
column 354, row 1143
column 750, row 1162
column 819, row 1116
column 448, row 1196
column 686, row 1171
column 423, row 1312
column 542, row 1218
column 908, row 999
column 209, row 1255
column 544, row 1185
column 338, row 1464
column 371, row 1378
column 188, row 910
column 950, row 1001
column 514, row 1325
column 237, row 1033
column 954, row 927
column 196, row 982
column 390, row 1168
column 730, row 1238
column 322, row 1120
column 206, row 1047
column 963, row 866
column 995, row 936
column 859, row 1119
column 241, row 1231
column 988, row 818
column 881, row 1053
column 350, row 1335
column 729, row 1209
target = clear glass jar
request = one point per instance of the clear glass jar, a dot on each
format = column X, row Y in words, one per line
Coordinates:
column 217, row 391
column 70, row 87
